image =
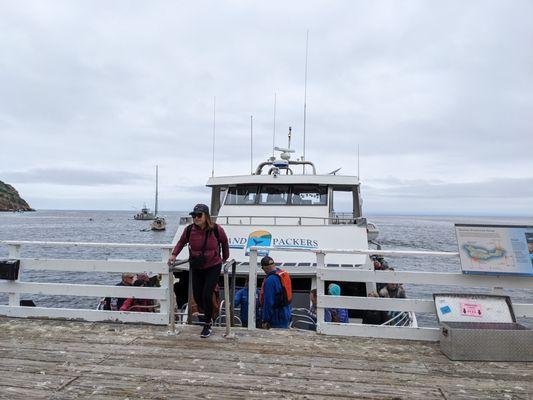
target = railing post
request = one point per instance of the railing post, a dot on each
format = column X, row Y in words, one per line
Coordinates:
column 320, row 264
column 14, row 254
column 167, row 282
column 369, row 265
column 229, row 314
column 252, row 284
column 232, row 293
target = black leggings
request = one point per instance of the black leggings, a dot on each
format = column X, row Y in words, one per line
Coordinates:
column 203, row 286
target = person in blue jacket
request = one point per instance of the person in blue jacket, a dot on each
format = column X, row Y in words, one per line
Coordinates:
column 335, row 314
column 274, row 315
column 241, row 300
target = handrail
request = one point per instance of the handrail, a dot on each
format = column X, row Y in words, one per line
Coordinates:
column 298, row 220
column 172, row 295
column 85, row 244
column 229, row 306
column 14, row 289
column 399, row 253
column 259, row 168
column 406, row 307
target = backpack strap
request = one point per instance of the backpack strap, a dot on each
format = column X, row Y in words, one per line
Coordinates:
column 188, row 232
column 217, row 236
column 216, row 232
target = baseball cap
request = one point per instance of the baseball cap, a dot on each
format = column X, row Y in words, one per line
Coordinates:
column 200, row 208
column 266, row 260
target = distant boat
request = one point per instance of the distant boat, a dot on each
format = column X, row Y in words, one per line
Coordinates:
column 159, row 223
column 144, row 215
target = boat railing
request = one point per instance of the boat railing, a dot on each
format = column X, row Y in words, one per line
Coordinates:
column 408, row 306
column 334, row 219
column 14, row 289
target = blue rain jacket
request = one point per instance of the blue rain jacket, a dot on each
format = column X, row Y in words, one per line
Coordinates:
column 336, row 315
column 241, row 300
column 276, row 316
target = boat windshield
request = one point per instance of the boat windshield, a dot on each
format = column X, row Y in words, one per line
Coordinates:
column 298, row 195
column 309, row 195
column 274, row 194
column 241, row 195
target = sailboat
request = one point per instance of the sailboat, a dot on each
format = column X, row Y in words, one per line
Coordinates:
column 159, row 223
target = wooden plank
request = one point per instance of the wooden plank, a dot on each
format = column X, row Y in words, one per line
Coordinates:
column 68, row 289
column 134, row 266
column 380, row 331
column 110, row 361
column 86, row 315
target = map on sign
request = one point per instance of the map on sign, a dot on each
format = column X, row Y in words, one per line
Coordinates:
column 495, row 249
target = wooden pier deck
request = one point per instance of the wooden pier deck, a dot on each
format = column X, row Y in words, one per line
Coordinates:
column 44, row 359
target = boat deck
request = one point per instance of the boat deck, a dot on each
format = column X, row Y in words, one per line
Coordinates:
column 66, row 360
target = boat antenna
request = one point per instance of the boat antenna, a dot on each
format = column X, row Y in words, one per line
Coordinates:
column 358, row 174
column 156, row 185
column 251, row 144
column 214, row 124
column 290, row 134
column 274, row 127
column 305, row 92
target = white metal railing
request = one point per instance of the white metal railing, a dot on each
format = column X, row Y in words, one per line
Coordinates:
column 371, row 277
column 15, row 288
column 280, row 220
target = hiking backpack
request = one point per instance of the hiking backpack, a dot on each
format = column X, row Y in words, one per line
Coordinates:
column 286, row 286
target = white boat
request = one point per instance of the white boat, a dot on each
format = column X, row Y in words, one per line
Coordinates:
column 158, row 223
column 287, row 204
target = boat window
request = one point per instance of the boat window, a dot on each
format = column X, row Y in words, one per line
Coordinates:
column 274, row 194
column 309, row 195
column 241, row 195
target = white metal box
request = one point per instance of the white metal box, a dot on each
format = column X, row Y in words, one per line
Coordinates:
column 480, row 327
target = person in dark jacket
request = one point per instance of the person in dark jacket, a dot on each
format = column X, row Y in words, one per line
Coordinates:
column 114, row 304
column 273, row 314
column 241, row 301
column 374, row 317
column 335, row 314
column 205, row 260
column 133, row 304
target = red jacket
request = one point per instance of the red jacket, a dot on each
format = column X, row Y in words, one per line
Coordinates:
column 138, row 305
column 211, row 251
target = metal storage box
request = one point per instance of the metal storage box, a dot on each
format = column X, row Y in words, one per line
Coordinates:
column 480, row 327
column 9, row 269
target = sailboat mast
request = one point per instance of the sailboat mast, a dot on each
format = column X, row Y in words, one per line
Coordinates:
column 156, row 185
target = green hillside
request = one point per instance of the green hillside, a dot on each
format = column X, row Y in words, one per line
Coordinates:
column 10, row 199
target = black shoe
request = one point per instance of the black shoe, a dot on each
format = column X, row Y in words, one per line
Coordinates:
column 206, row 332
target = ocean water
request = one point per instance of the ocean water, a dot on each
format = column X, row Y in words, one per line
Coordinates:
column 396, row 232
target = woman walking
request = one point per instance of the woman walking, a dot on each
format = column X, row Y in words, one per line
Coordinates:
column 205, row 240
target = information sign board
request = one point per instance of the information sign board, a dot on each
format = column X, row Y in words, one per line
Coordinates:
column 495, row 249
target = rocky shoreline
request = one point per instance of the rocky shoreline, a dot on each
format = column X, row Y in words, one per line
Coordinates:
column 10, row 199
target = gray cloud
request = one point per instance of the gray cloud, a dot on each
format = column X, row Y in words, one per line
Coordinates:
column 495, row 188
column 430, row 92
column 74, row 177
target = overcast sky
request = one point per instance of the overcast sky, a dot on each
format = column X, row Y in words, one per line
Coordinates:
column 438, row 95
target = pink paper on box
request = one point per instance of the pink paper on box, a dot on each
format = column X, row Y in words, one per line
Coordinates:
column 471, row 310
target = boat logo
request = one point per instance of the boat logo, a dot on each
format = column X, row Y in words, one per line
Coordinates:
column 259, row 238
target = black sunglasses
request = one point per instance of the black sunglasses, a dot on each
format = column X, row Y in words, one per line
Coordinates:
column 197, row 215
